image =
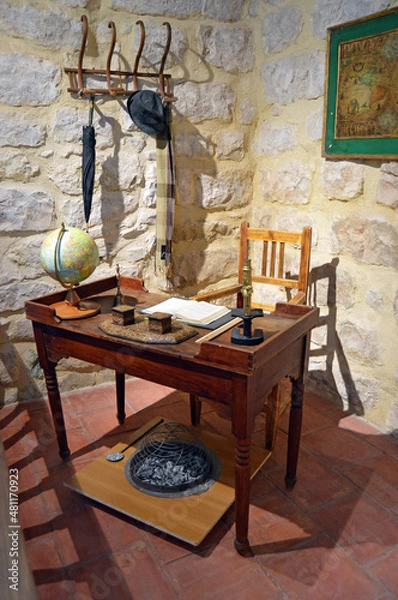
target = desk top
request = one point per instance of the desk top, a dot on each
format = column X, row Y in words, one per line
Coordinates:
column 281, row 328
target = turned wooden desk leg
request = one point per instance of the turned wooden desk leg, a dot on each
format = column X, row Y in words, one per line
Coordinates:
column 295, row 420
column 56, row 409
column 242, row 494
column 120, row 395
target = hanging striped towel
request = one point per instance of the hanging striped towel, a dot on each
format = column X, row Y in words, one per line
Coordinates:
column 165, row 202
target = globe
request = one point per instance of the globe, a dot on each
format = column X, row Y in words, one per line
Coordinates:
column 69, row 255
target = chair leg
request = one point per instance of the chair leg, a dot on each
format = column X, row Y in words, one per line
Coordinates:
column 120, row 397
column 196, row 407
column 272, row 413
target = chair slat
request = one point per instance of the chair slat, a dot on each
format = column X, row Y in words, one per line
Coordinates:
column 272, row 260
column 283, row 281
column 290, row 237
column 264, row 259
column 281, row 259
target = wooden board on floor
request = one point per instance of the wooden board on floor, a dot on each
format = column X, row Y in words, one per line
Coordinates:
column 189, row 519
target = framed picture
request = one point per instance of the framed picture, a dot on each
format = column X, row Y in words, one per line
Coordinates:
column 361, row 101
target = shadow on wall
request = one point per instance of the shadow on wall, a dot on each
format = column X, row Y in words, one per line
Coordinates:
column 196, row 222
column 112, row 204
column 19, row 372
column 194, row 156
column 332, row 348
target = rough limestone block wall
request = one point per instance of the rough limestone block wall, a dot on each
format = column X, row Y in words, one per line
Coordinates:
column 40, row 166
column 249, row 80
column 350, row 204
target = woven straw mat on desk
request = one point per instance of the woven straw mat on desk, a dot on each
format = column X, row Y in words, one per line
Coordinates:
column 139, row 332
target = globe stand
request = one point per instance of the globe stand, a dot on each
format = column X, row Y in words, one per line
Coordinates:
column 74, row 308
column 72, row 297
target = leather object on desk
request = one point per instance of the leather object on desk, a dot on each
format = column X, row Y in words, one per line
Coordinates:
column 140, row 332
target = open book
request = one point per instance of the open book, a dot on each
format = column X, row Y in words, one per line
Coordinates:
column 190, row 311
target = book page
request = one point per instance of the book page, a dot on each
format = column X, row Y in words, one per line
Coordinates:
column 202, row 312
column 192, row 311
column 171, row 305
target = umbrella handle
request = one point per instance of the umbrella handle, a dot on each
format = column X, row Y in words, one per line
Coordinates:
column 90, row 114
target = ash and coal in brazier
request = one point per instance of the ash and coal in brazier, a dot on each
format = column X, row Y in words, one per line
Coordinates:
column 172, row 461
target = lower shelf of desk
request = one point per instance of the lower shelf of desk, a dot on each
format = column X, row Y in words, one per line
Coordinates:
column 190, row 518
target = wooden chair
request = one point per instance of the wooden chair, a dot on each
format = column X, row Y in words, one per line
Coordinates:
column 268, row 251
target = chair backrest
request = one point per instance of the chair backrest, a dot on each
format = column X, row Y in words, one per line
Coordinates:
column 267, row 249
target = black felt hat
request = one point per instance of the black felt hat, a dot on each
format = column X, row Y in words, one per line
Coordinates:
column 146, row 110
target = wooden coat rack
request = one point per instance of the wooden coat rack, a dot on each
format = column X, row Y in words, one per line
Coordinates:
column 77, row 75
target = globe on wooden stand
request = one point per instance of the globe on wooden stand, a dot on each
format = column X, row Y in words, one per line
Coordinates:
column 70, row 255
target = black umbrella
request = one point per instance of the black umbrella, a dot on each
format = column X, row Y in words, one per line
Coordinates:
column 88, row 163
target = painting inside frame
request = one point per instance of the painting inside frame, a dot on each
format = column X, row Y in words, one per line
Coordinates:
column 361, row 108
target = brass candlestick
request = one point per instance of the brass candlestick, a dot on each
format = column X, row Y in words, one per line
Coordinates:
column 247, row 289
column 247, row 338
column 119, row 298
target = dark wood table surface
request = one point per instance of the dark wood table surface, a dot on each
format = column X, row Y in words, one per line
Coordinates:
column 237, row 376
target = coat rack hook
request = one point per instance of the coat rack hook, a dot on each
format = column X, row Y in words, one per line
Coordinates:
column 164, row 57
column 112, row 91
column 81, row 54
column 165, row 94
column 166, row 48
column 77, row 74
column 138, row 56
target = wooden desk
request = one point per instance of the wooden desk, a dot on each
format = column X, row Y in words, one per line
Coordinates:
column 237, row 376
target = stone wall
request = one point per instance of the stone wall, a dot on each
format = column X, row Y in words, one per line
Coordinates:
column 247, row 127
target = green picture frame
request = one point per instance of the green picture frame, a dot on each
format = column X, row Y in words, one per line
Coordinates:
column 361, row 95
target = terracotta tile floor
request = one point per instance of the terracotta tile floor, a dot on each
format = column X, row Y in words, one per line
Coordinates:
column 334, row 536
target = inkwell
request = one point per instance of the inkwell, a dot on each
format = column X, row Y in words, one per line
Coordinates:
column 247, row 313
column 122, row 313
